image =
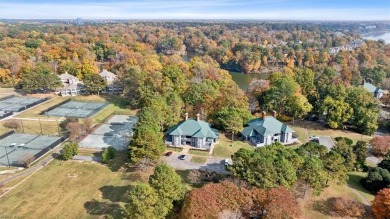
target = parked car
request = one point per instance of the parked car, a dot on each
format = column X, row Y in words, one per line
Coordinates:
column 182, row 157
column 169, row 153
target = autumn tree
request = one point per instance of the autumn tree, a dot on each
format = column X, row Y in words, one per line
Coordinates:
column 344, row 207
column 380, row 145
column 381, row 205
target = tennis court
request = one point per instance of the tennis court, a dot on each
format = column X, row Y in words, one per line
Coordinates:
column 78, row 109
column 17, row 147
column 116, row 133
column 17, row 104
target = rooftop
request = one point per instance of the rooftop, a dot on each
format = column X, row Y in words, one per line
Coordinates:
column 194, row 128
column 267, row 126
column 372, row 88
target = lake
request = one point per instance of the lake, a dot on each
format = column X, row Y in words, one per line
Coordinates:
column 242, row 80
column 383, row 36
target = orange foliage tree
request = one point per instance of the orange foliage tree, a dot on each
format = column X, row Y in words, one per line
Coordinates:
column 381, row 206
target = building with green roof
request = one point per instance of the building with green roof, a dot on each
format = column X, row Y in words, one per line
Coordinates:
column 193, row 132
column 376, row 91
column 267, row 130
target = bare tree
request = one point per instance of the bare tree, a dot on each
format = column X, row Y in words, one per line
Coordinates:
column 26, row 160
column 12, row 124
column 194, row 176
column 75, row 130
column 88, row 124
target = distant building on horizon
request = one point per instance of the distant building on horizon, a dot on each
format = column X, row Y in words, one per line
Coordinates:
column 79, row 21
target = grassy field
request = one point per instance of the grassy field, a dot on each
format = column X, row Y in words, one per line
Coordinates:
column 72, row 190
column 315, row 206
column 199, row 153
column 304, row 129
column 226, row 148
column 88, row 152
column 35, row 111
column 176, row 149
column 34, row 127
column 198, row 159
column 354, row 182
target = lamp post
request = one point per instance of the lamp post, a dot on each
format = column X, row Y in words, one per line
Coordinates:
column 6, row 153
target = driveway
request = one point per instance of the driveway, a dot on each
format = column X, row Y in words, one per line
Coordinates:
column 327, row 141
column 212, row 164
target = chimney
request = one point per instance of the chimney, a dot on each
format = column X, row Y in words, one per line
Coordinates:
column 197, row 117
column 274, row 113
column 186, row 116
column 263, row 115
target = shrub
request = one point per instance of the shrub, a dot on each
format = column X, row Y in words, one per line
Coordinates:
column 376, row 179
column 69, row 151
column 347, row 140
column 385, row 163
column 345, row 207
column 11, row 124
column 108, row 154
column 284, row 118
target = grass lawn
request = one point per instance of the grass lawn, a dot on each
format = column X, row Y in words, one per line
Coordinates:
column 34, row 127
column 199, row 153
column 71, row 190
column 89, row 152
column 315, row 206
column 354, row 182
column 196, row 159
column 176, row 149
column 226, row 148
column 304, row 129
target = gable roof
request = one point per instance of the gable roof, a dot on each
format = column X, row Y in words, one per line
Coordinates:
column 106, row 73
column 194, row 128
column 67, row 76
column 268, row 126
column 372, row 88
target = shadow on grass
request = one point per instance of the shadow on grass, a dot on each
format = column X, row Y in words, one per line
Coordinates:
column 354, row 182
column 321, row 206
column 119, row 161
column 115, row 193
column 118, row 100
column 101, row 208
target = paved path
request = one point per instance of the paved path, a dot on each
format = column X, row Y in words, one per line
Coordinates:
column 327, row 141
column 364, row 200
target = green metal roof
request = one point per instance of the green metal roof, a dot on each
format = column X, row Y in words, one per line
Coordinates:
column 371, row 88
column 268, row 126
column 194, row 128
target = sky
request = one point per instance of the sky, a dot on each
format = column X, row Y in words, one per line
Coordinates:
column 197, row 9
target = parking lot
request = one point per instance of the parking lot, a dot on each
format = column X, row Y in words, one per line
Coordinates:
column 212, row 164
